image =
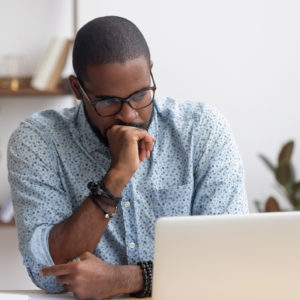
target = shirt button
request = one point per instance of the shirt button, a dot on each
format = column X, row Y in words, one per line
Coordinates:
column 127, row 204
column 131, row 245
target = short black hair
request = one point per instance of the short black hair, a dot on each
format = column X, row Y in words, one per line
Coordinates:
column 107, row 39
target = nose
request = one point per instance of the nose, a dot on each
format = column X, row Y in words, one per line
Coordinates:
column 127, row 114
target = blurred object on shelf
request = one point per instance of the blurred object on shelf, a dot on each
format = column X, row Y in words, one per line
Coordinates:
column 48, row 73
column 13, row 72
column 7, row 211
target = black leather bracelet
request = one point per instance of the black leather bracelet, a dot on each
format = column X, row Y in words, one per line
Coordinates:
column 147, row 271
column 107, row 214
column 107, row 191
column 101, row 199
column 98, row 189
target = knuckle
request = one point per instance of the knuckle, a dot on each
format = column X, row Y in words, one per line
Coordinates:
column 76, row 278
column 77, row 268
column 126, row 134
column 77, row 295
column 86, row 254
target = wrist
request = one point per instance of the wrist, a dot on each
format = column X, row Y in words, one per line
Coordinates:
column 129, row 279
column 116, row 181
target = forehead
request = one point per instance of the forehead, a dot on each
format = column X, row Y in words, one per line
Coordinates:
column 118, row 79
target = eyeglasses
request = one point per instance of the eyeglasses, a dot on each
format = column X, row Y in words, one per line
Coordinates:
column 107, row 106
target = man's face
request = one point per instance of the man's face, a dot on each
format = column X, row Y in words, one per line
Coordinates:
column 118, row 80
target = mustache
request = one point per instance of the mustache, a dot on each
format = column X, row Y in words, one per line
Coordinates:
column 136, row 125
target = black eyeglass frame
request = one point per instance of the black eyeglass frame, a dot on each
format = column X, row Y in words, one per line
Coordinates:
column 122, row 100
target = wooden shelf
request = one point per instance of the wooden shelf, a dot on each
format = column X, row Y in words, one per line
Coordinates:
column 11, row 223
column 7, row 224
column 25, row 89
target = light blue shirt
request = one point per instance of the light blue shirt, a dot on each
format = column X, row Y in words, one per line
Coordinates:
column 194, row 169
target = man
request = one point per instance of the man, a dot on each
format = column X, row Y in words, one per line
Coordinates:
column 89, row 182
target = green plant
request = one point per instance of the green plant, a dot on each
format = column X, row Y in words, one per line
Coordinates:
column 284, row 173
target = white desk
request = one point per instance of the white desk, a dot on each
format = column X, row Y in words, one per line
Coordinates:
column 41, row 295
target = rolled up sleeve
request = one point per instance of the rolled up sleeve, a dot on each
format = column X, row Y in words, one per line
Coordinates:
column 38, row 196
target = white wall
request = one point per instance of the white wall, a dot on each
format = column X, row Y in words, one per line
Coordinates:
column 26, row 29
column 241, row 56
column 13, row 275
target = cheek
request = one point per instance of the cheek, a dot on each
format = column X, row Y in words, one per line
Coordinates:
column 103, row 125
column 146, row 114
column 96, row 120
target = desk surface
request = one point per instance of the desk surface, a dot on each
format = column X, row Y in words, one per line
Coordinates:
column 36, row 292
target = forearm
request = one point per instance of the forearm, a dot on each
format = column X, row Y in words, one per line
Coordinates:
column 83, row 230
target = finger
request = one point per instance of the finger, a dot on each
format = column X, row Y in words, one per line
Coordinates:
column 149, row 146
column 64, row 280
column 142, row 150
column 56, row 270
column 67, row 287
column 143, row 134
column 142, row 154
column 86, row 255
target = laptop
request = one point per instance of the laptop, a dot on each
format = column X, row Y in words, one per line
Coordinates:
column 228, row 257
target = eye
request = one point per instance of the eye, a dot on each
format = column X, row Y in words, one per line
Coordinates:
column 107, row 102
column 139, row 96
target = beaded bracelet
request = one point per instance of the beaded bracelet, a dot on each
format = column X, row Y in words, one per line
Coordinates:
column 147, row 272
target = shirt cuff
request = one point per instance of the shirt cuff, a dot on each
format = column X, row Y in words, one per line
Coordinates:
column 39, row 246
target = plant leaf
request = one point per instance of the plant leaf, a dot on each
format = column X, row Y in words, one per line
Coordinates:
column 283, row 173
column 272, row 205
column 267, row 162
column 295, row 195
column 258, row 205
column 286, row 153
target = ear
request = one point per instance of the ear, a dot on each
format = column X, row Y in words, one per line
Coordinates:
column 151, row 64
column 75, row 87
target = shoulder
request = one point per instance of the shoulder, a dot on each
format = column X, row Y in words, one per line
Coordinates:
column 48, row 121
column 52, row 119
column 43, row 127
column 185, row 113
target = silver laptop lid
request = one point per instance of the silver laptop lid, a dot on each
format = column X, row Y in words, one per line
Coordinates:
column 228, row 257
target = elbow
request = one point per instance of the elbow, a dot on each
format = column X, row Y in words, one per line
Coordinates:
column 48, row 284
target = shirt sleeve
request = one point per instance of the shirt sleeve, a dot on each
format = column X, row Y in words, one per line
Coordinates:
column 219, row 172
column 39, row 198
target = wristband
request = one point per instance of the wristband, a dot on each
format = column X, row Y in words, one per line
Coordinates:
column 147, row 271
column 107, row 191
column 98, row 189
column 107, row 214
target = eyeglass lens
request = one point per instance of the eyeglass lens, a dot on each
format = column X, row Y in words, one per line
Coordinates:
column 112, row 106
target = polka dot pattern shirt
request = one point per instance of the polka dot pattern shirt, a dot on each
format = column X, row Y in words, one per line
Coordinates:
column 194, row 169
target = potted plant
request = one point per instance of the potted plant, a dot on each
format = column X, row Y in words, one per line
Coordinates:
column 284, row 174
